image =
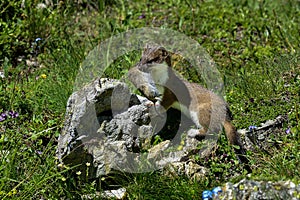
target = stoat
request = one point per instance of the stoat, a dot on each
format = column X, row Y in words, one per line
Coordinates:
column 156, row 79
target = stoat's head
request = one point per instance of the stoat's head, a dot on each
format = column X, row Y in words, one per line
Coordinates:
column 144, row 82
column 151, row 73
column 150, row 79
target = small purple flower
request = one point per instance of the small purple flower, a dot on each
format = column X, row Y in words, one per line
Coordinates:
column 142, row 16
column 39, row 152
column 13, row 114
column 3, row 117
column 252, row 128
column 288, row 131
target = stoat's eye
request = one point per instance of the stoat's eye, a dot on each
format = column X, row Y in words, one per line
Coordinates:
column 154, row 60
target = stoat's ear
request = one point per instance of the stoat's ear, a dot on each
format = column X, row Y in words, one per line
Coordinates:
column 164, row 55
column 168, row 58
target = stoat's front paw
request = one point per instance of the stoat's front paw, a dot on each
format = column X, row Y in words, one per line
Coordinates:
column 196, row 133
column 149, row 104
column 193, row 133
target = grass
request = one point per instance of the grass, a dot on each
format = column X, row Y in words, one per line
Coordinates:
column 255, row 44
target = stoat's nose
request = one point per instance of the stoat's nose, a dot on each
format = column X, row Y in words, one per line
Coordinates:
column 153, row 94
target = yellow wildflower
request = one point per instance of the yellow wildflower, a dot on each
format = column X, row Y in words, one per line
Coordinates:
column 43, row 76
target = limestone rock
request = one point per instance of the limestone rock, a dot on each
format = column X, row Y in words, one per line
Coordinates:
column 104, row 125
column 264, row 136
column 112, row 129
column 107, row 194
column 252, row 190
column 189, row 169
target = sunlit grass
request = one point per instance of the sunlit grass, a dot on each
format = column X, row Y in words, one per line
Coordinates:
column 255, row 44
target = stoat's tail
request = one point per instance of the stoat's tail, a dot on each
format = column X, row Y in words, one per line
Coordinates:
column 234, row 139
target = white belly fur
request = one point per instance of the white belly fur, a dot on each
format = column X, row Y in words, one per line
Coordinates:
column 191, row 114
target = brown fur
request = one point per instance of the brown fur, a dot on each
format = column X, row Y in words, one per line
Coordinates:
column 193, row 96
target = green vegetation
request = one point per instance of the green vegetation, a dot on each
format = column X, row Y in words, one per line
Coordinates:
column 255, row 44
